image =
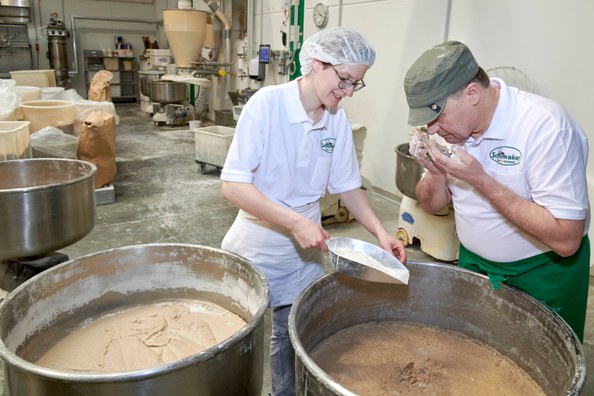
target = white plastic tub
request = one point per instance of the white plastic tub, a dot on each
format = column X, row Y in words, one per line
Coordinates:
column 35, row 78
column 15, row 141
column 42, row 113
column 212, row 145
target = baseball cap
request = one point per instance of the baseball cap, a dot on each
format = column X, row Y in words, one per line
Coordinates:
column 437, row 73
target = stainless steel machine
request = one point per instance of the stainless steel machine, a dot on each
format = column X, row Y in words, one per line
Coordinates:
column 188, row 31
column 15, row 50
column 153, row 65
column 170, row 103
column 57, row 49
column 145, row 77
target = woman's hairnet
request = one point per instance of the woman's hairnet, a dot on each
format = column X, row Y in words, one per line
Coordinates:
column 336, row 45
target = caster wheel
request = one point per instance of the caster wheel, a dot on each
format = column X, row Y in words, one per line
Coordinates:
column 402, row 235
column 341, row 215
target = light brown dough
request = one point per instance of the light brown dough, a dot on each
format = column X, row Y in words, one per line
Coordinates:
column 143, row 337
column 393, row 358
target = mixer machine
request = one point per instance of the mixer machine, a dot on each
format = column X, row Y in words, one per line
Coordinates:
column 435, row 232
column 170, row 104
column 188, row 32
column 153, row 67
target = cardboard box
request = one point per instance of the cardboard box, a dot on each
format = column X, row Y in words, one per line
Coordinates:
column 111, row 63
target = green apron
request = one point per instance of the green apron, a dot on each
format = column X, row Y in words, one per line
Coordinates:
column 561, row 283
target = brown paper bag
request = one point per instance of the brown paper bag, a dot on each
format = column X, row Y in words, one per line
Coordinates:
column 100, row 89
column 97, row 145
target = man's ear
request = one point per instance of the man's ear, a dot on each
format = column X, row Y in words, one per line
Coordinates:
column 473, row 92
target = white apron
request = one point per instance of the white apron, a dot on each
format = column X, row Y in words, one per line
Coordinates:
column 287, row 268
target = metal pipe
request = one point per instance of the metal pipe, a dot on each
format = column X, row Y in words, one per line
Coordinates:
column 227, row 35
column 207, row 63
column 203, row 72
column 73, row 19
column 250, row 29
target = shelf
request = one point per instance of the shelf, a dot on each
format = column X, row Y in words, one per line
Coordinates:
column 125, row 76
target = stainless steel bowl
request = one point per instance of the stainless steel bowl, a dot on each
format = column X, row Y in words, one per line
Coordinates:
column 146, row 77
column 46, row 307
column 162, row 91
column 45, row 205
column 446, row 297
column 408, row 172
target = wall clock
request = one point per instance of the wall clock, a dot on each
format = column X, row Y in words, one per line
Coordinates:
column 320, row 15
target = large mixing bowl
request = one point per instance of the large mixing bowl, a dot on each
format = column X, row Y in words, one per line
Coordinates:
column 446, row 297
column 162, row 91
column 45, row 205
column 408, row 171
column 146, row 77
column 44, row 308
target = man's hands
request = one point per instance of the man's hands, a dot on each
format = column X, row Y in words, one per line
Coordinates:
column 462, row 166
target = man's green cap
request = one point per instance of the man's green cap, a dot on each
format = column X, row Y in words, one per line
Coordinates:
column 437, row 73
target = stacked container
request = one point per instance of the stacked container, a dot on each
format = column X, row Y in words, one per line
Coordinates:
column 15, row 141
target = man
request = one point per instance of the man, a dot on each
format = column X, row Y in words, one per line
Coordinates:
column 517, row 178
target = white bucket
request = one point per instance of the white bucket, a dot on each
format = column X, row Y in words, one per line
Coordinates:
column 194, row 124
column 15, row 140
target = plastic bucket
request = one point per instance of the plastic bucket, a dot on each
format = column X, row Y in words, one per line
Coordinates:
column 15, row 140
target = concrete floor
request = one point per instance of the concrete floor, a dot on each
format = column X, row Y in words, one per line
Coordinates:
column 161, row 197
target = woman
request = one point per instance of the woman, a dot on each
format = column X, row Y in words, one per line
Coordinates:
column 292, row 143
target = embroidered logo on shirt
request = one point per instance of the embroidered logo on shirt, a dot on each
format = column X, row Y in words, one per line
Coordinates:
column 328, row 145
column 506, row 156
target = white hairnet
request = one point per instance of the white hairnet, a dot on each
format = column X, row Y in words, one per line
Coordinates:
column 336, row 45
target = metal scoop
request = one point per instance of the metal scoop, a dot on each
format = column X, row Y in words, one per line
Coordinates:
column 366, row 261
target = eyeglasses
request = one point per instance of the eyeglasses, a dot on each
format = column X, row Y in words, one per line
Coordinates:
column 345, row 83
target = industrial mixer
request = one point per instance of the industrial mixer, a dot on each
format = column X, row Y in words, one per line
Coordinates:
column 170, row 103
column 153, row 66
column 187, row 32
column 436, row 233
column 57, row 53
